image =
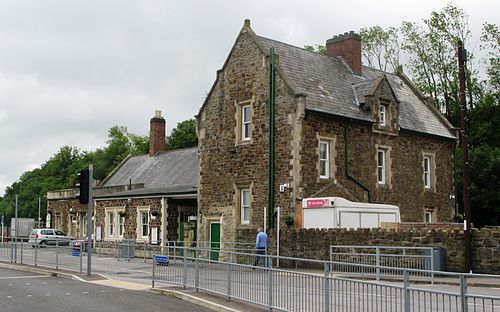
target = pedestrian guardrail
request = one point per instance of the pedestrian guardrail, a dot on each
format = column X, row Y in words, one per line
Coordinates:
column 61, row 255
column 233, row 275
column 423, row 259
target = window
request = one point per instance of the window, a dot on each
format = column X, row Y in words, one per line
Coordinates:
column 243, row 116
column 58, row 221
column 382, row 115
column 381, row 166
column 144, row 224
column 246, row 112
column 121, row 221
column 428, row 217
column 428, row 170
column 324, row 160
column 111, row 224
column 245, row 206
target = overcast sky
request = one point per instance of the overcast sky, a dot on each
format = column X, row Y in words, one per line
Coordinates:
column 70, row 70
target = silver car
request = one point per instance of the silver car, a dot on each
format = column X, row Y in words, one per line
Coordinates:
column 44, row 237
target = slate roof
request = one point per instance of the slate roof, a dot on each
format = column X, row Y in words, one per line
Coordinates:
column 332, row 88
column 169, row 172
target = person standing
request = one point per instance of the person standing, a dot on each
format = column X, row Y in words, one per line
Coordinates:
column 260, row 245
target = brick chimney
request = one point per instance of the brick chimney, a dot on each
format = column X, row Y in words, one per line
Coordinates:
column 348, row 46
column 157, row 127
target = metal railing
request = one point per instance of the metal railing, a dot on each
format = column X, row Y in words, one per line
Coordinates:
column 57, row 256
column 422, row 259
column 233, row 275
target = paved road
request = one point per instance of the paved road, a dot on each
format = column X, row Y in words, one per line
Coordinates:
column 25, row 291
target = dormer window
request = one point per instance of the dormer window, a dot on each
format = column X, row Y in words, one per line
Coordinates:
column 382, row 116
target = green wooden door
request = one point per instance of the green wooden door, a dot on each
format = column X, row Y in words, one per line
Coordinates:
column 214, row 240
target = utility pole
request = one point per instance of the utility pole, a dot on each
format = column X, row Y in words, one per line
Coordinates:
column 89, row 220
column 15, row 232
column 462, row 60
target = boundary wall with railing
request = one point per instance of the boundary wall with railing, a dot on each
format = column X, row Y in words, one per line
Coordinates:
column 288, row 289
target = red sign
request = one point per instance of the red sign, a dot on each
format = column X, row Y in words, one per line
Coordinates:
column 317, row 203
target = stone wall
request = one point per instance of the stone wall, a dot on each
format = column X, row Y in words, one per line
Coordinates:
column 227, row 165
column 315, row 244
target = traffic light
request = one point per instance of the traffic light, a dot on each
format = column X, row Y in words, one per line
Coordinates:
column 83, row 186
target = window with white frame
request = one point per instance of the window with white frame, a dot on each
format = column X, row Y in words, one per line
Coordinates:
column 246, row 114
column 121, row 225
column 245, row 206
column 324, row 159
column 111, row 223
column 428, row 217
column 381, row 166
column 143, row 223
column 428, row 170
column 382, row 115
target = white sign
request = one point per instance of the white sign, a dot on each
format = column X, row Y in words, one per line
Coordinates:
column 154, row 235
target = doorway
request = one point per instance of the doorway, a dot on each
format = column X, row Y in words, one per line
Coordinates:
column 214, row 240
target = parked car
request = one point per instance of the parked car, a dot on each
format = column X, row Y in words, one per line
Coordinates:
column 44, row 237
column 80, row 245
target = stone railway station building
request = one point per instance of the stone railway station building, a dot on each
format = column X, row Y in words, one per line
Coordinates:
column 341, row 129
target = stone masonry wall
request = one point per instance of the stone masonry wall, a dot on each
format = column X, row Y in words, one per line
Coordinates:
column 227, row 165
column 406, row 189
column 315, row 244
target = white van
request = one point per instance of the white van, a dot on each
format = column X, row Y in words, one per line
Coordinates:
column 338, row 212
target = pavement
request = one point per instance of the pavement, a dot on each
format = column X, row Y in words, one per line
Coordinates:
column 135, row 275
column 207, row 300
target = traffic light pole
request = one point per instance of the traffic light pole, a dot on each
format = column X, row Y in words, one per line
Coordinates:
column 89, row 222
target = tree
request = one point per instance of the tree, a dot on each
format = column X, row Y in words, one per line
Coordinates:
column 318, row 48
column 183, row 135
column 63, row 167
column 381, row 48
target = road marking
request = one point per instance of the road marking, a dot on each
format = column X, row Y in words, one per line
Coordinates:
column 124, row 269
column 47, row 295
column 9, row 297
column 29, row 296
column 103, row 291
column 27, row 284
column 22, row 277
column 67, row 294
column 85, row 292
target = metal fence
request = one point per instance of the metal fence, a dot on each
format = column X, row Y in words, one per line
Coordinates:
column 52, row 256
column 233, row 275
column 423, row 259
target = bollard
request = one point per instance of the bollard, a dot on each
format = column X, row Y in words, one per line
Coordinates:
column 36, row 254
column 21, row 253
column 144, row 251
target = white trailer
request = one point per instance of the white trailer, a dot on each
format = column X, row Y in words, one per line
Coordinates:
column 338, row 212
